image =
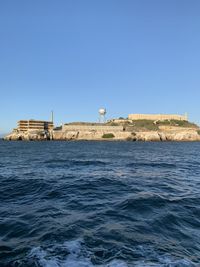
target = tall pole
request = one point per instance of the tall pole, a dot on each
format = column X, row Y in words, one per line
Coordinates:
column 52, row 116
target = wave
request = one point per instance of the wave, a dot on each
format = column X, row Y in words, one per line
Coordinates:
column 156, row 200
column 142, row 201
column 70, row 163
column 18, row 188
column 75, row 254
column 69, row 254
column 152, row 164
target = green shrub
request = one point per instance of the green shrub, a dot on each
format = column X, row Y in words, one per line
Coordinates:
column 113, row 124
column 198, row 132
column 145, row 125
column 177, row 123
column 108, row 135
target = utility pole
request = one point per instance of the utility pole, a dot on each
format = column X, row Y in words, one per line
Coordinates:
column 52, row 116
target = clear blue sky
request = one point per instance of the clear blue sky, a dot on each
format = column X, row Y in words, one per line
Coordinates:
column 74, row 56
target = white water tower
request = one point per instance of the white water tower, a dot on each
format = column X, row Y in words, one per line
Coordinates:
column 102, row 115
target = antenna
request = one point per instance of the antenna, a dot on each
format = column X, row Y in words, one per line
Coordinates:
column 52, row 116
column 102, row 115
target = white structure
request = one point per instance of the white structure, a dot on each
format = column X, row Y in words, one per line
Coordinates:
column 102, row 115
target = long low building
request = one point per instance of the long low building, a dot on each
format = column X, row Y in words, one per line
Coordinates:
column 157, row 117
column 101, row 128
column 28, row 125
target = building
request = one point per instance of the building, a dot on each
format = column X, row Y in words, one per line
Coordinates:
column 28, row 125
column 100, row 128
column 157, row 117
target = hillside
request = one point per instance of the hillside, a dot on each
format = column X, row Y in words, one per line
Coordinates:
column 149, row 125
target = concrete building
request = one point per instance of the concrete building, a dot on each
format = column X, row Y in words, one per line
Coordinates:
column 27, row 125
column 100, row 128
column 158, row 117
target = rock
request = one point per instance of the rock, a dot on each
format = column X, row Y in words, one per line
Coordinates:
column 68, row 135
column 148, row 136
column 164, row 135
column 28, row 136
column 183, row 136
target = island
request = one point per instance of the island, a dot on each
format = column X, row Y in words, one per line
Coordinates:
column 136, row 127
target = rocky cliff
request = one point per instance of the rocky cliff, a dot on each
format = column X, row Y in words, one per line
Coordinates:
column 163, row 134
column 29, row 136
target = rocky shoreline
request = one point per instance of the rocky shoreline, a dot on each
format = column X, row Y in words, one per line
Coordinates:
column 170, row 134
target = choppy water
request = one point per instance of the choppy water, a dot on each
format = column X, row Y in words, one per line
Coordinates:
column 107, row 204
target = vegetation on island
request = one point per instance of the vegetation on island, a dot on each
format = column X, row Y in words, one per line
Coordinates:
column 144, row 125
column 141, row 125
column 113, row 123
column 83, row 123
column 108, row 135
column 177, row 123
column 150, row 125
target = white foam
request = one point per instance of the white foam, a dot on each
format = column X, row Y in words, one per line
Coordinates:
column 153, row 259
column 76, row 255
column 166, row 263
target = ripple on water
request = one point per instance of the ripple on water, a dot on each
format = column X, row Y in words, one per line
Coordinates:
column 76, row 254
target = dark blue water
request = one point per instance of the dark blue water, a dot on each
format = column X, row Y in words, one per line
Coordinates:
column 108, row 204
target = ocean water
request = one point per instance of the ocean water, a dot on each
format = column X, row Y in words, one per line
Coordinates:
column 106, row 204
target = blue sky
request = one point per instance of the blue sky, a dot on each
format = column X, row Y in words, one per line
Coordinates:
column 74, row 56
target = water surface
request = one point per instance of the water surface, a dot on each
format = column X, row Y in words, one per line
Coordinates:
column 107, row 204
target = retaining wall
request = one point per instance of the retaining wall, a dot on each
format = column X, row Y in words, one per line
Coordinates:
column 100, row 128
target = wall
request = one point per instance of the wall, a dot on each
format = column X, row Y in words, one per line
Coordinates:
column 93, row 128
column 155, row 117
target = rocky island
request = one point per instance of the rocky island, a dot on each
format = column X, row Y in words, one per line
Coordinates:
column 135, row 128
